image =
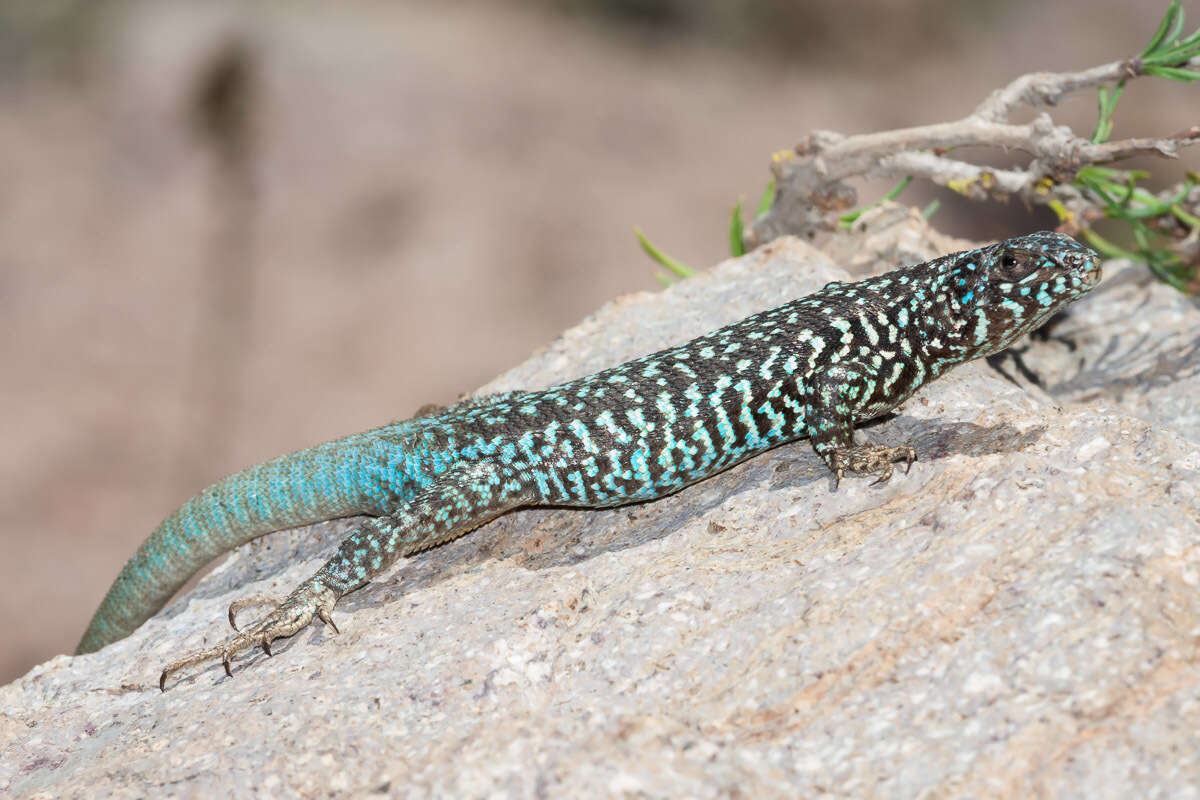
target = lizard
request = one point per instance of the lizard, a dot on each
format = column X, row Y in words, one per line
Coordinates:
column 812, row 368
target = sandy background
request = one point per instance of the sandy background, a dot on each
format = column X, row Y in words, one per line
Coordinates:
column 228, row 231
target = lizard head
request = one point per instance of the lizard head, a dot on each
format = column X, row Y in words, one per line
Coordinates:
column 997, row 294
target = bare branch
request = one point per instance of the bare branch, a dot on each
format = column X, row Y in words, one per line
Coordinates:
column 810, row 182
column 1126, row 148
column 1047, row 88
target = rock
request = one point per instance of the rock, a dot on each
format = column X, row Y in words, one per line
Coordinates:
column 1019, row 615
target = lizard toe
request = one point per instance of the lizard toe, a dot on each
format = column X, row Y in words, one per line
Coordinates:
column 873, row 459
column 253, row 601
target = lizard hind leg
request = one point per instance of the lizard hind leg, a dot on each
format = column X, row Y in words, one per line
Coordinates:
column 458, row 501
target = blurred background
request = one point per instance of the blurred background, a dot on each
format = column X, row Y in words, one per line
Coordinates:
column 232, row 230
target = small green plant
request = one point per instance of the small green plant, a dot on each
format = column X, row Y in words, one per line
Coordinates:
column 737, row 228
column 847, row 220
column 1117, row 194
column 676, row 266
column 1123, row 200
column 737, row 246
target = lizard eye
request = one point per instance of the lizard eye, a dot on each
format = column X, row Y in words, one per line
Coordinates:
column 1015, row 265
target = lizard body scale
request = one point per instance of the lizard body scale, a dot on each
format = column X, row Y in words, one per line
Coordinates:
column 812, row 368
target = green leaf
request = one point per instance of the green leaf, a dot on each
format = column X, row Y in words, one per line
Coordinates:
column 1174, row 74
column 1159, row 35
column 847, row 219
column 737, row 247
column 768, row 197
column 898, row 188
column 1105, row 247
column 1103, row 172
column 1142, row 236
column 1130, row 187
column 931, row 209
column 1186, row 218
column 1059, row 209
column 1102, row 130
column 1108, row 106
column 1170, row 269
column 1174, row 56
column 1150, row 206
column 737, row 228
column 1162, row 263
column 1177, row 24
column 1102, row 188
column 676, row 266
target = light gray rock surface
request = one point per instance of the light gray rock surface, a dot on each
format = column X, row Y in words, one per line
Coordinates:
column 1018, row 616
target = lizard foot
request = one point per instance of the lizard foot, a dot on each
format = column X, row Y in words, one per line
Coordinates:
column 311, row 598
column 866, row 459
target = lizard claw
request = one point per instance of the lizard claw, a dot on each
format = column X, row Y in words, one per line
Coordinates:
column 866, row 459
column 885, row 474
column 241, row 603
column 327, row 618
column 310, row 599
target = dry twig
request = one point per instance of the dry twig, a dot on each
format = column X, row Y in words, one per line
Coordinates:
column 810, row 181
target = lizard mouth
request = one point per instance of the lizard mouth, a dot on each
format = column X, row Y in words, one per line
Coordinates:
column 1091, row 272
column 1085, row 264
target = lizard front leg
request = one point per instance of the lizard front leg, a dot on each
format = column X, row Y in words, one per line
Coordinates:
column 458, row 501
column 831, row 399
